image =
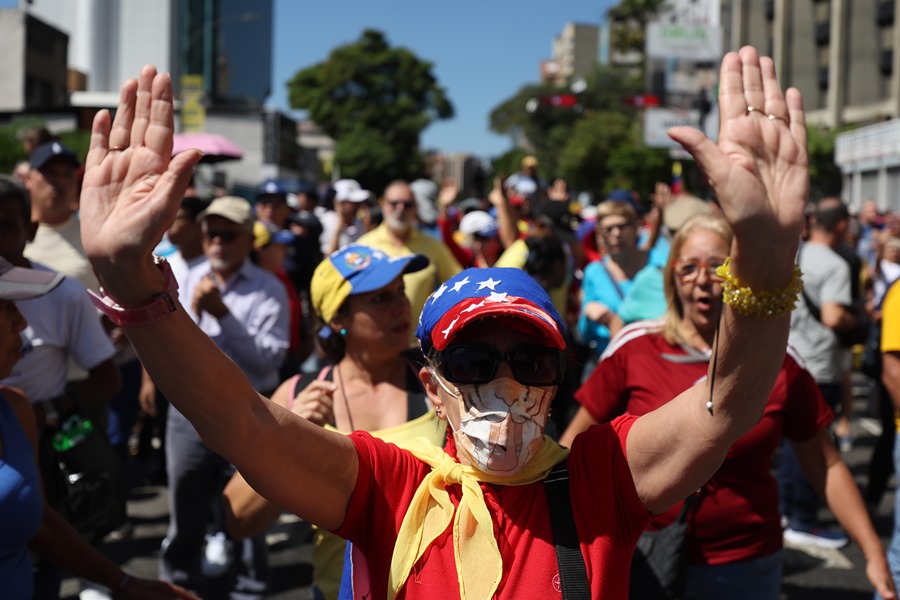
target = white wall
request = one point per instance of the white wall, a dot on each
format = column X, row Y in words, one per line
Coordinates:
column 12, row 67
column 110, row 40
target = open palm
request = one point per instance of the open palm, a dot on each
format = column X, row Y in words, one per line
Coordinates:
column 132, row 187
column 759, row 168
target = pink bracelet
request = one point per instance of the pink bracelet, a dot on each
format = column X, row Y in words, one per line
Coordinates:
column 157, row 307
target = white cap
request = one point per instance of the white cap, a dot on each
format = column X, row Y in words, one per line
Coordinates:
column 478, row 222
column 349, row 190
column 18, row 283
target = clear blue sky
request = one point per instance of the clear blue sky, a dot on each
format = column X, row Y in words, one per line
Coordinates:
column 482, row 50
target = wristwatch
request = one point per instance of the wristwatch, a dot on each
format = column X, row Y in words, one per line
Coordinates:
column 157, row 307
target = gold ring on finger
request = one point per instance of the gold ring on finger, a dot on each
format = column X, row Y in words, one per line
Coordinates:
column 777, row 118
column 118, row 148
column 755, row 109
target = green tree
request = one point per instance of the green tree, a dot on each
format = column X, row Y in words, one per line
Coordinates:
column 11, row 150
column 825, row 177
column 374, row 100
column 629, row 23
column 605, row 151
column 548, row 128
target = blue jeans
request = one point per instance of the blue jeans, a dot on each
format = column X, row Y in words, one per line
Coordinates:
column 893, row 554
column 757, row 579
column 799, row 501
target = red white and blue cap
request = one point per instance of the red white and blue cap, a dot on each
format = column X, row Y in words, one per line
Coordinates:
column 478, row 293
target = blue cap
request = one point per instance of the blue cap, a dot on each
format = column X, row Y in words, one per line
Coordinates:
column 477, row 293
column 46, row 152
column 356, row 269
column 271, row 187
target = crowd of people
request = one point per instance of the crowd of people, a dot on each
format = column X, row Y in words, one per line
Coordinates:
column 386, row 364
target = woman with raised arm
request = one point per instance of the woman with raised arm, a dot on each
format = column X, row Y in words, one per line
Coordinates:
column 492, row 337
column 734, row 537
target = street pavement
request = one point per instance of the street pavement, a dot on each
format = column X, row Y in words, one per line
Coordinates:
column 810, row 574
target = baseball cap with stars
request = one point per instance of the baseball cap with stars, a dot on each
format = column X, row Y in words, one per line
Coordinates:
column 478, row 293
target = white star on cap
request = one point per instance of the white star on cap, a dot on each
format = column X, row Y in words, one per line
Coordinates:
column 439, row 292
column 488, row 283
column 473, row 307
column 459, row 284
column 495, row 297
column 446, row 332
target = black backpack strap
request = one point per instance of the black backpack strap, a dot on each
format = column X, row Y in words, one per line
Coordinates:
column 572, row 572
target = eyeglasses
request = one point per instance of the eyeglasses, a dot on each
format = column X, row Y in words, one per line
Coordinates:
column 474, row 364
column 406, row 204
column 225, row 236
column 688, row 269
column 615, row 227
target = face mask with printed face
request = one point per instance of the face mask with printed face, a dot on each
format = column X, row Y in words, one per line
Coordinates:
column 500, row 422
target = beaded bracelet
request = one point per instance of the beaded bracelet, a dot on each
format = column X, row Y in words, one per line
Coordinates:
column 763, row 304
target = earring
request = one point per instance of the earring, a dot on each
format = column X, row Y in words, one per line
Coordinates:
column 343, row 332
column 437, row 412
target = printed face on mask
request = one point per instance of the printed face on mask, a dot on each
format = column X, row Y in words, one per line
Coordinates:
column 498, row 425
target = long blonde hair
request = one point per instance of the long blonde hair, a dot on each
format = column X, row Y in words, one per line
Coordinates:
column 674, row 310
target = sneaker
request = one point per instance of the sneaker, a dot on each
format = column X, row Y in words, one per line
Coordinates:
column 817, row 536
column 218, row 556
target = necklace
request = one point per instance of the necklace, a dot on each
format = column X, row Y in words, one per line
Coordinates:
column 337, row 370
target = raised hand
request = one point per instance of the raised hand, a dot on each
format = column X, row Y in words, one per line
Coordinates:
column 759, row 168
column 132, row 187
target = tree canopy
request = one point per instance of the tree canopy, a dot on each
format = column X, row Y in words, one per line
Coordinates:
column 374, row 100
column 595, row 146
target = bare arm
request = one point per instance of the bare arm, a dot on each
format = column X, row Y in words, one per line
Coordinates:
column 506, row 227
column 580, row 422
column 837, row 317
column 759, row 169
column 246, row 512
column 130, row 197
column 59, row 543
column 831, row 478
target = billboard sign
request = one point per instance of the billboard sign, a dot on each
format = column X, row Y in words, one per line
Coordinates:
column 657, row 121
column 193, row 110
column 698, row 43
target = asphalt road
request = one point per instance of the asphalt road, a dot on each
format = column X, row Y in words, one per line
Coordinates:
column 809, row 574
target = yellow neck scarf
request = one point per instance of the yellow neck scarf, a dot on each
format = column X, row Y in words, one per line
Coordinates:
column 479, row 565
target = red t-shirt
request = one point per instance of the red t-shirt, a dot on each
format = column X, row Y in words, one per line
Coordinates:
column 609, row 517
column 738, row 516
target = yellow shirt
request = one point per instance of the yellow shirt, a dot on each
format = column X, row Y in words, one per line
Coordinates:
column 890, row 329
column 420, row 284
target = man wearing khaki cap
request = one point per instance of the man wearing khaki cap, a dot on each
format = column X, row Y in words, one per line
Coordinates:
column 244, row 310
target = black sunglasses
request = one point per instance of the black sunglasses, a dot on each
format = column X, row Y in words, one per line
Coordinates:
column 406, row 204
column 474, row 364
column 225, row 236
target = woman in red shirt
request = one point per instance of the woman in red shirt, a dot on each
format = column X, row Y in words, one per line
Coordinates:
column 734, row 541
